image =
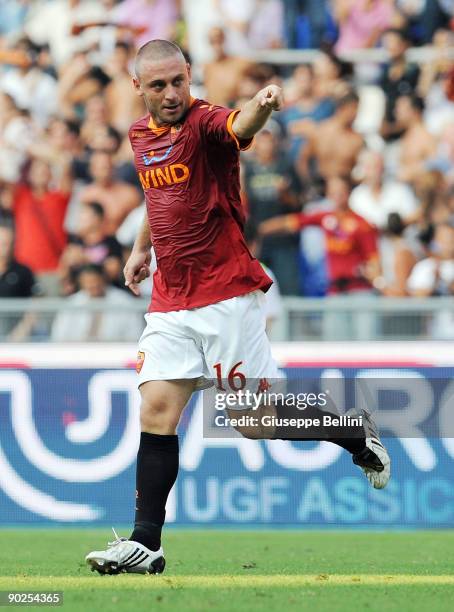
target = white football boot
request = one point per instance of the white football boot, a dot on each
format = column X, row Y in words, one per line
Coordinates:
column 374, row 459
column 126, row 556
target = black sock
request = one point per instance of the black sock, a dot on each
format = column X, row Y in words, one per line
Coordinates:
column 352, row 439
column 157, row 469
column 352, row 445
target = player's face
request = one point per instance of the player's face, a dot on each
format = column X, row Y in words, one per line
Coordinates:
column 164, row 86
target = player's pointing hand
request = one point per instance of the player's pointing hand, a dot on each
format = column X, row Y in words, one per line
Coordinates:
column 271, row 97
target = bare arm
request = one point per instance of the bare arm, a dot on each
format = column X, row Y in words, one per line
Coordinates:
column 342, row 10
column 137, row 267
column 306, row 154
column 255, row 113
column 282, row 224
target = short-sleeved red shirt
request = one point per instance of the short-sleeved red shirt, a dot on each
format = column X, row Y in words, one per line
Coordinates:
column 350, row 243
column 40, row 235
column 190, row 176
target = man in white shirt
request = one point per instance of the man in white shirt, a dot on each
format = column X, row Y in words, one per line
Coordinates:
column 375, row 197
column 435, row 276
column 114, row 324
column 52, row 23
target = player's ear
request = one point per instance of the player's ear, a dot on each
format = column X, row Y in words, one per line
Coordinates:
column 137, row 87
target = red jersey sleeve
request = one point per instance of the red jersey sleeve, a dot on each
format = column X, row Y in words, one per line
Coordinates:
column 313, row 219
column 367, row 240
column 216, row 123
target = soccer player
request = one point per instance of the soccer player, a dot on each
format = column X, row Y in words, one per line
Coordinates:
column 205, row 319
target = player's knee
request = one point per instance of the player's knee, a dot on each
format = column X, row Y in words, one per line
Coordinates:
column 158, row 417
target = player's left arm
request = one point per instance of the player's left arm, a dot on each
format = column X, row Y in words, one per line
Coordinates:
column 256, row 112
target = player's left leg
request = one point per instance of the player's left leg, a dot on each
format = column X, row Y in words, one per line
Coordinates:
column 241, row 347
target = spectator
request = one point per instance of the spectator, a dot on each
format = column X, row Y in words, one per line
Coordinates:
column 255, row 77
column 417, row 145
column 116, row 197
column 30, row 87
column 436, row 84
column 434, row 275
column 425, row 17
column 236, row 15
column 273, row 189
column 39, row 211
column 12, row 16
column 61, row 140
column 114, row 322
column 149, row 18
column 319, row 160
column 350, row 242
column 17, row 132
column 309, row 24
column 306, row 109
column 397, row 259
column 92, row 245
column 376, row 197
column 95, row 119
column 443, row 160
column 223, row 74
column 79, row 85
column 332, row 76
column 123, row 105
column 266, row 27
column 16, row 281
column 52, row 23
column 362, row 22
column 398, row 78
column 272, row 298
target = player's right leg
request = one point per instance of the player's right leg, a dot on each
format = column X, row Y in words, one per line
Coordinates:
column 157, row 469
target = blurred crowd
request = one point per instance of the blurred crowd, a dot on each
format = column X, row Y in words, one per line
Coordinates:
column 348, row 190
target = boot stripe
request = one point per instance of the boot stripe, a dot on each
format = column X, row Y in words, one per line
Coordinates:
column 132, row 556
column 139, row 560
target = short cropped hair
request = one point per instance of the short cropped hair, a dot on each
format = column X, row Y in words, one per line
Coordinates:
column 349, row 98
column 155, row 50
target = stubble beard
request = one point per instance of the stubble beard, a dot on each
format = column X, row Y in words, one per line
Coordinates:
column 159, row 120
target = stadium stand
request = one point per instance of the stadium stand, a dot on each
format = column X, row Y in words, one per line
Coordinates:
column 66, row 103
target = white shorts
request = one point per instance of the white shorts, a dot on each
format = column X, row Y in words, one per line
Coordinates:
column 223, row 341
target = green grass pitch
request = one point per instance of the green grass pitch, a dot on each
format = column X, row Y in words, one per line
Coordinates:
column 242, row 571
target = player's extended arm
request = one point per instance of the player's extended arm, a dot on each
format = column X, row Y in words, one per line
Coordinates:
column 255, row 113
column 137, row 267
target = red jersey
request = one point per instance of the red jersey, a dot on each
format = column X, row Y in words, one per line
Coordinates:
column 190, row 176
column 350, row 243
column 40, row 236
